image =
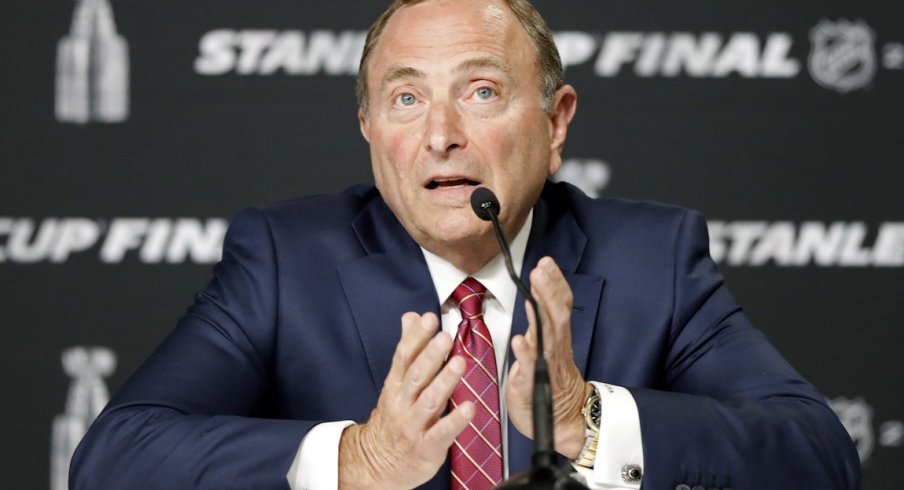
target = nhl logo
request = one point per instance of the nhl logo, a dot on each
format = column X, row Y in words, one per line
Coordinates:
column 842, row 57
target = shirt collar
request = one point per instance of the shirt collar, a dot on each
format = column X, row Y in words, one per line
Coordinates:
column 446, row 277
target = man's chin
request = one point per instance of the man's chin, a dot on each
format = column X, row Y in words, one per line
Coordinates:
column 448, row 237
column 472, row 232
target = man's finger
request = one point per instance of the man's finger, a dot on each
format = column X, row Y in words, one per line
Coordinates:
column 556, row 301
column 520, row 384
column 524, row 347
column 444, row 431
column 530, row 337
column 423, row 371
column 434, row 398
column 522, row 373
column 417, row 330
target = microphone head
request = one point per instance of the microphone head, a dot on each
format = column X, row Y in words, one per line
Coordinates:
column 484, row 202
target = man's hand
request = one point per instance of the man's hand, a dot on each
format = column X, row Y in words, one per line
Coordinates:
column 569, row 391
column 405, row 441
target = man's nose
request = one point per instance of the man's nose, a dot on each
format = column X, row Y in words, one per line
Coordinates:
column 444, row 128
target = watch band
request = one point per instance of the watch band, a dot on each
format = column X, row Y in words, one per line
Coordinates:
column 588, row 453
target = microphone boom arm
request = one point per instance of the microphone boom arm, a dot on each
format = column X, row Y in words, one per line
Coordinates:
column 544, row 453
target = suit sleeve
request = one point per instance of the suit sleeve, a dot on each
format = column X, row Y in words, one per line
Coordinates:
column 734, row 413
column 192, row 416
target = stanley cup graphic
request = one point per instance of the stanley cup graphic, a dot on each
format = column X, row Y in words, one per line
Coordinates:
column 92, row 78
column 87, row 396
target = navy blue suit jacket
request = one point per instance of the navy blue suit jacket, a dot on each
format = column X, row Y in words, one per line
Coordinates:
column 300, row 320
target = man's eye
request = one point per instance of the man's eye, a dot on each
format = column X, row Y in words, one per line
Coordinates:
column 406, row 99
column 485, row 93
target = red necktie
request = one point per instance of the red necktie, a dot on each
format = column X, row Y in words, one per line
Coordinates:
column 476, row 455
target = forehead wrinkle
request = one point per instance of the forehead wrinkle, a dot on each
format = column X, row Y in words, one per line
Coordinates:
column 484, row 62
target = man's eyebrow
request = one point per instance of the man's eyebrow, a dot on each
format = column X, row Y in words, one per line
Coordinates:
column 398, row 72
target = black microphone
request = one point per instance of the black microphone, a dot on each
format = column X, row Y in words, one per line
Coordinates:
column 484, row 202
column 544, row 474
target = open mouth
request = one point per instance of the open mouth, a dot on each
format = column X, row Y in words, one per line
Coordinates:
column 448, row 183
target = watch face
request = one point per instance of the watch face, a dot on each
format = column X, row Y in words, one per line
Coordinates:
column 595, row 413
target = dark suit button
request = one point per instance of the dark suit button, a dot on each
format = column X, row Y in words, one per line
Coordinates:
column 682, row 487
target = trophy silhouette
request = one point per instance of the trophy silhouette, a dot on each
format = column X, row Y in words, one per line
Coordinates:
column 87, row 396
column 92, row 78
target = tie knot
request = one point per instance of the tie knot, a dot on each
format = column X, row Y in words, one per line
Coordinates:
column 469, row 297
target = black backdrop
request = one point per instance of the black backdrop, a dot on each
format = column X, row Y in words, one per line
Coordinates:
column 777, row 120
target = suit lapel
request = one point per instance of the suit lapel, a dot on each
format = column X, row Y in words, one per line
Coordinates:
column 390, row 280
column 555, row 233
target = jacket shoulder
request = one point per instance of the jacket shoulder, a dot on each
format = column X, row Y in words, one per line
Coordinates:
column 323, row 209
column 320, row 222
column 615, row 216
column 310, row 213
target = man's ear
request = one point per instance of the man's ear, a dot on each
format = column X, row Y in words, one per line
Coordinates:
column 364, row 124
column 561, row 112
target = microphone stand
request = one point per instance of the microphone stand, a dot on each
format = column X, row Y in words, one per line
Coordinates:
column 544, row 473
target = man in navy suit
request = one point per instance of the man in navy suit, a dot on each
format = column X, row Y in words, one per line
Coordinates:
column 291, row 371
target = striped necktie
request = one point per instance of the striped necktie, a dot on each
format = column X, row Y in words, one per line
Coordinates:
column 476, row 455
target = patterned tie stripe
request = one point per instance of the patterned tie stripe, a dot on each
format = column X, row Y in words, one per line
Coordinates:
column 476, row 455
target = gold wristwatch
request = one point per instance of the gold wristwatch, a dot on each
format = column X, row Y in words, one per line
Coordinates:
column 592, row 414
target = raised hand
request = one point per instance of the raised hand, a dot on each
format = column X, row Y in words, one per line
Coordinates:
column 569, row 391
column 405, row 440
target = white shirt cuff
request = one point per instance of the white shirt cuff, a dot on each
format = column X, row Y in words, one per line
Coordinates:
column 316, row 465
column 620, row 443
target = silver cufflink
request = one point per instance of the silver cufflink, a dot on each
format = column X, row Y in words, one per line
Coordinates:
column 631, row 473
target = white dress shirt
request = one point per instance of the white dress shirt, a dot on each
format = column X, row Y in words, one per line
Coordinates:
column 316, row 465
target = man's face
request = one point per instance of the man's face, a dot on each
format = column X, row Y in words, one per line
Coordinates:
column 454, row 103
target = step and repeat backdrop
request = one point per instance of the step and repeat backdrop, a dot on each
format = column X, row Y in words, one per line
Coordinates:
column 130, row 133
